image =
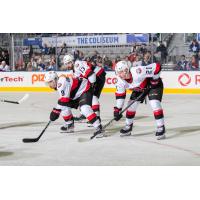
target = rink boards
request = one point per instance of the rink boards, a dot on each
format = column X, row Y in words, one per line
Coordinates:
column 181, row 82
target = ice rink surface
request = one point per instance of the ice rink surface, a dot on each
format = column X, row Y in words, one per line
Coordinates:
column 181, row 147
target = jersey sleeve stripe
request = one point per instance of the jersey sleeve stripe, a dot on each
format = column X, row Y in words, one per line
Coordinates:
column 158, row 68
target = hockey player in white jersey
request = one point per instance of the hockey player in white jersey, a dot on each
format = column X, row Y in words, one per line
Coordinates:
column 73, row 92
column 141, row 80
column 95, row 74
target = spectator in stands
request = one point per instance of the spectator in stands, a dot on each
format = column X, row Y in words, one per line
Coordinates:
column 138, row 61
column 132, row 57
column 143, row 49
column 81, row 55
column 4, row 67
column 133, row 49
column 40, row 64
column 154, row 36
column 63, row 50
column 4, row 57
column 182, row 64
column 94, row 56
column 51, row 65
column 20, row 67
column 99, row 63
column 76, row 55
column 163, row 50
column 194, row 47
column 193, row 64
column 34, row 64
column 45, row 49
column 147, row 59
column 52, row 50
column 29, row 67
column 30, row 51
column 107, row 63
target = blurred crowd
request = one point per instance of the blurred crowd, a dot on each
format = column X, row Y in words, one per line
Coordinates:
column 191, row 62
column 4, row 60
column 48, row 59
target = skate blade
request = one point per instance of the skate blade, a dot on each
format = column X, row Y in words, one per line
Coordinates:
column 161, row 137
column 125, row 135
column 90, row 125
column 66, row 131
column 100, row 136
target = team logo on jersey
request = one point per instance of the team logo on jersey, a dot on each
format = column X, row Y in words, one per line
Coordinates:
column 138, row 70
column 59, row 85
column 184, row 79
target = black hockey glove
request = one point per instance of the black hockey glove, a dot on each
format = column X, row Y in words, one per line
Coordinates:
column 55, row 114
column 117, row 114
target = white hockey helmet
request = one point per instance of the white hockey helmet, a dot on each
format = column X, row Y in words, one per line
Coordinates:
column 68, row 58
column 122, row 66
column 50, row 76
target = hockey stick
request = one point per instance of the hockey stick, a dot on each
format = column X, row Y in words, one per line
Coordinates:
column 16, row 102
column 106, row 125
column 29, row 140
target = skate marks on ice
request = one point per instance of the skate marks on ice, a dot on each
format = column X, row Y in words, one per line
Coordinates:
column 19, row 124
column 6, row 153
column 17, row 154
column 176, row 147
column 170, row 134
column 182, row 131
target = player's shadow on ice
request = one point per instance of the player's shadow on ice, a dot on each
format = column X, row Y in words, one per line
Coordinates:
column 182, row 131
column 170, row 133
column 19, row 124
column 5, row 153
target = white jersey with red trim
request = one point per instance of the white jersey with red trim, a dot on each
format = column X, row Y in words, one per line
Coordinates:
column 83, row 70
column 138, row 79
column 98, row 70
column 71, row 89
column 139, row 76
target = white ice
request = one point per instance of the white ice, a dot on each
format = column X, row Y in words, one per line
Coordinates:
column 181, row 147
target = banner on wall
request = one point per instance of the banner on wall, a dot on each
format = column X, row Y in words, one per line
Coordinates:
column 32, row 41
column 137, row 38
column 175, row 81
column 96, row 40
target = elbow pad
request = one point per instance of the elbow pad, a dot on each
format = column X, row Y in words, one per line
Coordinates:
column 92, row 78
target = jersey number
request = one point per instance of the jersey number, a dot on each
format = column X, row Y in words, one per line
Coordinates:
column 82, row 69
column 62, row 92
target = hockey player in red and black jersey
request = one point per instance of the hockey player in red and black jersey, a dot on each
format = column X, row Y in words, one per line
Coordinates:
column 141, row 80
column 73, row 93
column 94, row 73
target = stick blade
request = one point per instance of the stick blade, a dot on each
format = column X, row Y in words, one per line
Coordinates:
column 30, row 140
column 26, row 96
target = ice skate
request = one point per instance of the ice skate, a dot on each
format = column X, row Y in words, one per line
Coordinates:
column 126, row 131
column 160, row 133
column 89, row 124
column 99, row 132
column 67, row 128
